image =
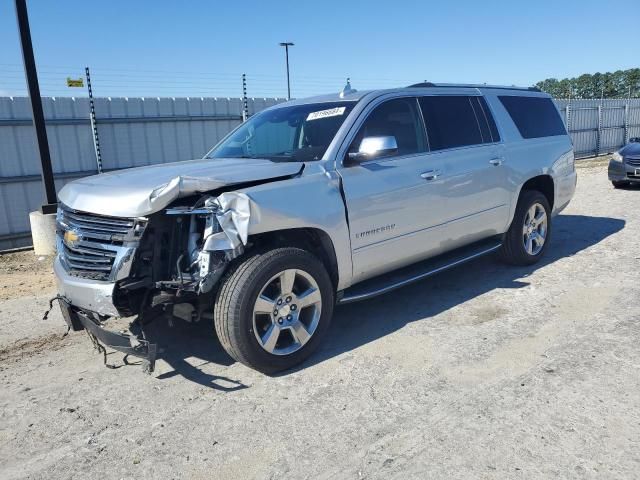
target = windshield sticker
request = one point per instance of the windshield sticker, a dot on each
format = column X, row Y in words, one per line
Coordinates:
column 331, row 112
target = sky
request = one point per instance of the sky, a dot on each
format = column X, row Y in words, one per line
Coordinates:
column 201, row 48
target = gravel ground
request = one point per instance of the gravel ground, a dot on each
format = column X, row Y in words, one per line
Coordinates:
column 23, row 274
column 486, row 371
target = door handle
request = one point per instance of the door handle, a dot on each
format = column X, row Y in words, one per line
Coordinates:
column 496, row 161
column 430, row 174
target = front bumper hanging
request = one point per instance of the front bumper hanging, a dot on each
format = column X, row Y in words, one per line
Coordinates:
column 101, row 337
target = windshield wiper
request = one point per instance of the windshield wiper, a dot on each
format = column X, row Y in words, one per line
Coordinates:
column 286, row 153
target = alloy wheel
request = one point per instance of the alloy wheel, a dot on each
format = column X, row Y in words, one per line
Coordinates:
column 534, row 230
column 287, row 312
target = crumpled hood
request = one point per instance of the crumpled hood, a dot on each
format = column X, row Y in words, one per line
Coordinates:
column 141, row 191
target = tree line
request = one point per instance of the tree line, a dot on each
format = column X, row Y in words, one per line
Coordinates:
column 618, row 84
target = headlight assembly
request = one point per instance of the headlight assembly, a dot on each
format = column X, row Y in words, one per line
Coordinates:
column 616, row 157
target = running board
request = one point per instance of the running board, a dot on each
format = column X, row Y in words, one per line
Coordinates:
column 413, row 273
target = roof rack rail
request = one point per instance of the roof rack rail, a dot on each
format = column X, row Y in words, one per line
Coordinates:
column 461, row 85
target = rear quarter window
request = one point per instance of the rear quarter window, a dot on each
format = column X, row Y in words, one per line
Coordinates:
column 535, row 117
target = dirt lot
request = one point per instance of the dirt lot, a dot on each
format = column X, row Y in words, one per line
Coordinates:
column 24, row 274
column 486, row 371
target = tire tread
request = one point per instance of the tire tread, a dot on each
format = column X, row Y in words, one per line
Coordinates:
column 512, row 251
column 236, row 284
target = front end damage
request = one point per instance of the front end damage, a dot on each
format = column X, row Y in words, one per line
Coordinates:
column 168, row 262
column 217, row 233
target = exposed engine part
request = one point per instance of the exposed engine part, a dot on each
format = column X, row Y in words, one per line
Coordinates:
column 185, row 251
column 168, row 293
column 186, row 312
column 212, row 266
column 223, row 238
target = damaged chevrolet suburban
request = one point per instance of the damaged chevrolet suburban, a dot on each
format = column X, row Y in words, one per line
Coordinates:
column 309, row 204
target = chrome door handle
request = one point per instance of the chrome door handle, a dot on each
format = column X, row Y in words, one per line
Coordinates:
column 497, row 161
column 430, row 174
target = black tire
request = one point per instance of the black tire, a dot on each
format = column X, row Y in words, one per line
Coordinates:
column 619, row 184
column 239, row 289
column 513, row 249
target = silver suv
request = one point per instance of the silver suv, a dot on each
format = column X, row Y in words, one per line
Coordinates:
column 310, row 203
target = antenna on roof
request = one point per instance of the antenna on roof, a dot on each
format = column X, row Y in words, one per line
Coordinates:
column 347, row 89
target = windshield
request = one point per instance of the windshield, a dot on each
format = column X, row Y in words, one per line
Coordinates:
column 298, row 133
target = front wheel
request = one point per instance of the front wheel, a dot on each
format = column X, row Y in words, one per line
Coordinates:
column 273, row 309
column 619, row 184
column 530, row 231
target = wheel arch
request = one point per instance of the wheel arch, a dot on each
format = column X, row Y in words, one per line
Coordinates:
column 314, row 240
column 543, row 184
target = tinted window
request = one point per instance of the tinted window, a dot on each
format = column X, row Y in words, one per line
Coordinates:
column 534, row 116
column 398, row 118
column 451, row 122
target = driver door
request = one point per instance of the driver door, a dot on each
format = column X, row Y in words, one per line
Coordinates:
column 394, row 200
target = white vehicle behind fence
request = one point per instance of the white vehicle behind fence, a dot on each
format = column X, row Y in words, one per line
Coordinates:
column 310, row 203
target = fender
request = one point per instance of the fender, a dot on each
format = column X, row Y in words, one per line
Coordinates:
column 312, row 200
column 525, row 165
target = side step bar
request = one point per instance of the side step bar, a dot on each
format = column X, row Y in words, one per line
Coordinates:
column 413, row 273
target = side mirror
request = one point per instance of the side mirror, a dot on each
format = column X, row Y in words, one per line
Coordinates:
column 634, row 140
column 372, row 147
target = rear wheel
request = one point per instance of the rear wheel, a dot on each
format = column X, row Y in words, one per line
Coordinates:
column 530, row 231
column 273, row 309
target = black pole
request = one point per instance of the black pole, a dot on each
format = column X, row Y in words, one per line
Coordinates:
column 286, row 46
column 286, row 53
column 36, row 108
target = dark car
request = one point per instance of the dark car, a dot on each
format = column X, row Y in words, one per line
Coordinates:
column 624, row 166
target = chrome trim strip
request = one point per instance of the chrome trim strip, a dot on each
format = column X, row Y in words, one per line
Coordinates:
column 414, row 232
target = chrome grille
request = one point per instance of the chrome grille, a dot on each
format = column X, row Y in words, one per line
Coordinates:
column 97, row 227
column 89, row 260
column 91, row 245
column 635, row 161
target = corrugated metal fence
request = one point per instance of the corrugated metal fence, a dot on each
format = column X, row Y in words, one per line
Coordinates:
column 133, row 132
column 137, row 131
column 600, row 126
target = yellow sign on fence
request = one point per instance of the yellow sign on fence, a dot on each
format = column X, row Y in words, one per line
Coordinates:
column 75, row 82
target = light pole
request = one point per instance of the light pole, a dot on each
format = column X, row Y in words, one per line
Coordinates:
column 286, row 46
column 36, row 108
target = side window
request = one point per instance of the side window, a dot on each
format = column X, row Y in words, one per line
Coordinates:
column 535, row 117
column 398, row 118
column 451, row 122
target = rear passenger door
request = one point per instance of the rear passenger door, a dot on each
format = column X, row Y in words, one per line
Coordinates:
column 463, row 135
